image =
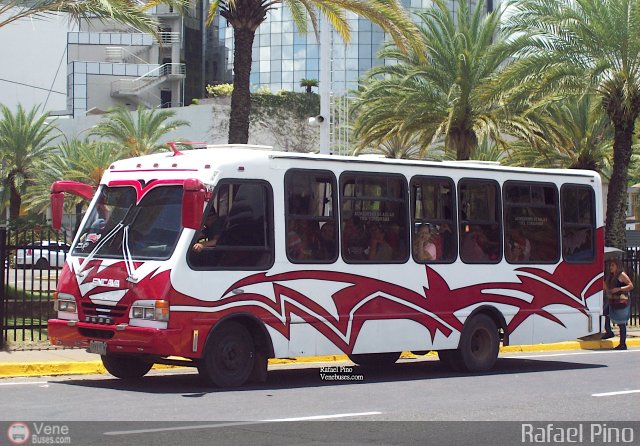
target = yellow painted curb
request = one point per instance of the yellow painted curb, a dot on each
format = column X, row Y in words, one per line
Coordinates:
column 9, row 370
column 51, row 368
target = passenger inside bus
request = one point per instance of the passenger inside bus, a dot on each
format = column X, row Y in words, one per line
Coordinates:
column 577, row 244
column 476, row 246
column 355, row 239
column 518, row 247
column 379, row 249
column 327, row 245
column 210, row 232
column 424, row 248
column 303, row 240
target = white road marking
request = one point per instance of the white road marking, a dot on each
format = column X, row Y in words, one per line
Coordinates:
column 322, row 417
column 25, row 383
column 242, row 423
column 622, row 392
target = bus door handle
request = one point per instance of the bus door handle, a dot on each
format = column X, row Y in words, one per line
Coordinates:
column 237, row 291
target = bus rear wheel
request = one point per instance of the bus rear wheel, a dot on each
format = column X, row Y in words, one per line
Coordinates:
column 478, row 349
column 229, row 356
column 126, row 367
column 374, row 359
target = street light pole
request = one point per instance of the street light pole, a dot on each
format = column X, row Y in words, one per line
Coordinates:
column 324, row 87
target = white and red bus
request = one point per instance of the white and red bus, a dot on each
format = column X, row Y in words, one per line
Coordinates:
column 318, row 254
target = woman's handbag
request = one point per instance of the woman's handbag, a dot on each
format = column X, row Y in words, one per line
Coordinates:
column 619, row 300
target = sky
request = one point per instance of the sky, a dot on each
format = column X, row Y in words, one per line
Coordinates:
column 33, row 63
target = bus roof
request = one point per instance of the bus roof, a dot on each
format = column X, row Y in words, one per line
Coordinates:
column 199, row 161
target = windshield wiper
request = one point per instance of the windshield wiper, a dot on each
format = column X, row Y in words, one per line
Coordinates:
column 107, row 238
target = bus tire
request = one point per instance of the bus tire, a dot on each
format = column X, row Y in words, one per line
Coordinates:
column 479, row 344
column 374, row 359
column 128, row 368
column 229, row 356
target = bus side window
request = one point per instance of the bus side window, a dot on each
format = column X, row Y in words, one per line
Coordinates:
column 480, row 229
column 433, row 220
column 310, row 201
column 374, row 227
column 246, row 238
column 578, row 223
column 531, row 222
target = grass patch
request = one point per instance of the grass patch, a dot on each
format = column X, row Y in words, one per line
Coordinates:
column 19, row 294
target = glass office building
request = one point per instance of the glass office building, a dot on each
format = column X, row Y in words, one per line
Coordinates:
column 282, row 57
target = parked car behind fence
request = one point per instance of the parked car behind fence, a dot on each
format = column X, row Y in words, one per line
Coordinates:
column 42, row 255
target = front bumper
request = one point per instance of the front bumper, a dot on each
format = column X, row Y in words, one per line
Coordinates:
column 119, row 339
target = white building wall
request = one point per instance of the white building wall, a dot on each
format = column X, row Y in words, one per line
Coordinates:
column 208, row 125
column 33, row 53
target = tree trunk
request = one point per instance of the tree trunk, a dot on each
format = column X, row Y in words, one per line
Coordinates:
column 463, row 141
column 241, row 96
column 614, row 234
column 15, row 202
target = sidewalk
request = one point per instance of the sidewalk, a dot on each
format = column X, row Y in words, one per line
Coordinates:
column 50, row 362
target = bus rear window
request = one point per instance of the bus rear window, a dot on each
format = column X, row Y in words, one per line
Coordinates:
column 578, row 223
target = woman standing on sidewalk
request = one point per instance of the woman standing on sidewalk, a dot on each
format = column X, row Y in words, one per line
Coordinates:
column 616, row 287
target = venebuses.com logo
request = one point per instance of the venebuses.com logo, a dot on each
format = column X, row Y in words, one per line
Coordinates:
column 18, row 433
column 38, row 433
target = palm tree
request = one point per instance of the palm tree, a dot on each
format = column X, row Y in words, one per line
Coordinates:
column 129, row 12
column 446, row 97
column 398, row 146
column 308, row 84
column 24, row 139
column 575, row 134
column 137, row 135
column 590, row 46
column 245, row 16
column 78, row 160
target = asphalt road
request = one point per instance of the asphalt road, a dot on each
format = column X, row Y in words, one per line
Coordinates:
column 415, row 401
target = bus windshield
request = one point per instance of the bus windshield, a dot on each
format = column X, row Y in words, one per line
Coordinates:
column 152, row 226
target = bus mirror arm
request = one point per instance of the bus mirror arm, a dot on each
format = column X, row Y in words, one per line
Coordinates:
column 58, row 189
column 193, row 196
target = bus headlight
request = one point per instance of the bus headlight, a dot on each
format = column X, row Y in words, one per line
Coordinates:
column 65, row 303
column 150, row 310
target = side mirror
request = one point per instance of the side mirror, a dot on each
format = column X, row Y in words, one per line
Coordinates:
column 57, row 204
column 57, row 198
column 192, row 203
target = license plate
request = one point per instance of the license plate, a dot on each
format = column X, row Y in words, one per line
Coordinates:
column 98, row 347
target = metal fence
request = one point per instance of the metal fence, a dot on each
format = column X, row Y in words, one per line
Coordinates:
column 631, row 264
column 31, row 263
column 33, row 259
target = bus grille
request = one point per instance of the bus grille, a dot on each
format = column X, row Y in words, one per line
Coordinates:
column 114, row 313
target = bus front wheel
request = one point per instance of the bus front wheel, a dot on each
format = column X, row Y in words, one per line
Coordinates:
column 126, row 367
column 229, row 356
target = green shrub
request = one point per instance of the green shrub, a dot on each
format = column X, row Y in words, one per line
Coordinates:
column 221, row 90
